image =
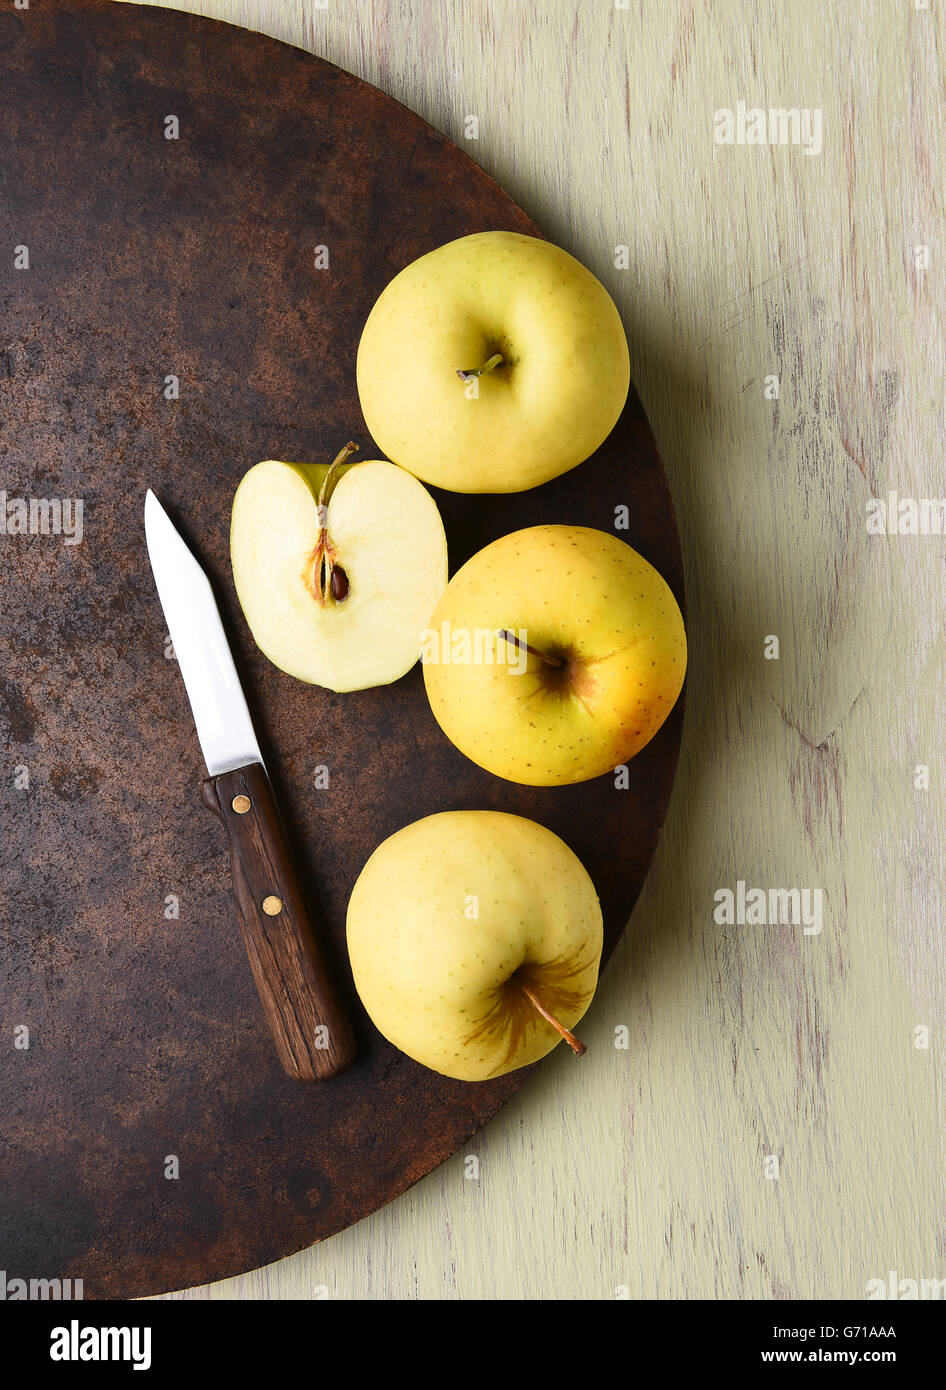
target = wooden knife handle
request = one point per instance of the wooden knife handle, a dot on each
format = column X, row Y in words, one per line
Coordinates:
column 312, row 1035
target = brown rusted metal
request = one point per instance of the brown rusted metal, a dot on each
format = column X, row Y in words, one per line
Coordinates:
column 194, row 258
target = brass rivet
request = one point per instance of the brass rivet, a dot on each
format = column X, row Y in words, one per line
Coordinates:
column 272, row 905
column 241, row 804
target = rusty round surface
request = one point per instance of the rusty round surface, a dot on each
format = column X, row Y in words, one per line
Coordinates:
column 194, row 258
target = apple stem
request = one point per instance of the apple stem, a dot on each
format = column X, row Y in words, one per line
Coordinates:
column 323, row 577
column 331, row 478
column 577, row 1047
column 521, row 646
column 491, row 362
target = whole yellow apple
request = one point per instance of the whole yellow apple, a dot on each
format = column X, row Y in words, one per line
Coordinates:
column 492, row 364
column 554, row 655
column 475, row 939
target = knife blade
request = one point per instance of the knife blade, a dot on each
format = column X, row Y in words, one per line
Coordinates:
column 224, row 727
column 311, row 1032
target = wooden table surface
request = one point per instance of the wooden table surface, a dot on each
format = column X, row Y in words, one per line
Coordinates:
column 774, row 1126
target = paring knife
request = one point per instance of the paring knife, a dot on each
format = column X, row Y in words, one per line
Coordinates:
column 312, row 1035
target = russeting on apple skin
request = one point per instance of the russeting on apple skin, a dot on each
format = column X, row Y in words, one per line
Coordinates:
column 337, row 593
column 461, row 928
column 492, row 364
column 557, row 654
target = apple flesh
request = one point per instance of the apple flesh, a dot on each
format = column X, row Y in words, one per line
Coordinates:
column 467, row 932
column 555, row 655
column 492, row 364
column 337, row 593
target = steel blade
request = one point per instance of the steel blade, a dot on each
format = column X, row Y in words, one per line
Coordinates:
column 223, row 722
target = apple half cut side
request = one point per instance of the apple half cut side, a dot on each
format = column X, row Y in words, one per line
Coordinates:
column 337, row 591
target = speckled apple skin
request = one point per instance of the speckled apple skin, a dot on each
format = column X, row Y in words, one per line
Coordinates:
column 448, row 914
column 586, row 598
column 557, row 395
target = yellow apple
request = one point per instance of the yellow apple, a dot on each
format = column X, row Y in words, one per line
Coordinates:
column 337, row 568
column 492, row 364
column 554, row 655
column 468, row 932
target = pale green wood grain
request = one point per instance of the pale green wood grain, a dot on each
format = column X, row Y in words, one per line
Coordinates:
column 644, row 1167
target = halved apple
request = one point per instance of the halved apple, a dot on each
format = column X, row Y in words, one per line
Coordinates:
column 337, row 567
